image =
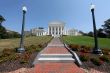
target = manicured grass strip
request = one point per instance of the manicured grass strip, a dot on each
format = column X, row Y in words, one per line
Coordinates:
column 13, row 43
column 85, row 40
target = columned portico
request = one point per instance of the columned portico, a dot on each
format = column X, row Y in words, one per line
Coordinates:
column 56, row 29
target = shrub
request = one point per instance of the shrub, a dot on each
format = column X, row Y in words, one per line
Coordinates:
column 0, row 55
column 106, row 51
column 23, row 61
column 70, row 46
column 96, row 61
column 16, row 49
column 7, row 52
column 82, row 46
column 9, row 58
column 74, row 47
column 12, row 57
column 104, row 58
column 26, row 55
column 30, row 51
column 40, row 45
column 38, row 49
column 24, row 58
column 88, row 49
column 3, row 59
column 31, row 47
column 85, row 49
column 84, row 57
column 45, row 44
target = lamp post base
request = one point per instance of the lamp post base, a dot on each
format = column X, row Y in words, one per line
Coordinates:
column 21, row 50
column 98, row 51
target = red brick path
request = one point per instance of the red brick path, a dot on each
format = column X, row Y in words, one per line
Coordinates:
column 57, row 50
column 56, row 47
column 57, row 68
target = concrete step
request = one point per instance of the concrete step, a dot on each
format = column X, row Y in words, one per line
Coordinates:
column 56, row 59
column 55, row 55
column 55, row 45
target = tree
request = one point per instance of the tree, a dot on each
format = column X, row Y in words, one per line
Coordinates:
column 90, row 34
column 3, row 32
column 106, row 27
column 1, row 19
column 2, row 29
column 100, row 33
column 13, row 34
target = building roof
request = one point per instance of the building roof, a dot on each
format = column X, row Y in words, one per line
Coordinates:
column 71, row 30
column 56, row 23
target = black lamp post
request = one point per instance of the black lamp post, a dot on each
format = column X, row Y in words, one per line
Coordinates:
column 96, row 49
column 21, row 49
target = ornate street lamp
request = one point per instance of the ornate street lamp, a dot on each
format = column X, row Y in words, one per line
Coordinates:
column 21, row 49
column 96, row 49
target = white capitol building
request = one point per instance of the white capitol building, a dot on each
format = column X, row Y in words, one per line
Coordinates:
column 55, row 29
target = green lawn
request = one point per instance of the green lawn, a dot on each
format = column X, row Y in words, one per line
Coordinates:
column 13, row 43
column 85, row 40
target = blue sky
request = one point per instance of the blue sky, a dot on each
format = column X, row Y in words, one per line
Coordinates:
column 75, row 13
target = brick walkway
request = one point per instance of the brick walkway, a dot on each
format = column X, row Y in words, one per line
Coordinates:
column 55, row 50
column 55, row 58
column 57, row 68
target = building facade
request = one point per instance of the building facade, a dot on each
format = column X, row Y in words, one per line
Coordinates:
column 55, row 29
column 38, row 32
column 73, row 32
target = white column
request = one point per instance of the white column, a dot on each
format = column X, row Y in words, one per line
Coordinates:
column 51, row 30
column 58, row 30
column 48, row 30
column 37, row 33
column 54, row 30
column 61, row 30
column 42, row 33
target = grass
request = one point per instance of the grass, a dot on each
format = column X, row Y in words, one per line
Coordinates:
column 13, row 43
column 88, row 41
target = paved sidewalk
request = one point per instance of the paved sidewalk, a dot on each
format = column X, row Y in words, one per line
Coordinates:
column 55, row 58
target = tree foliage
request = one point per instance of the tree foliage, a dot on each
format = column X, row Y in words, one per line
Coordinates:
column 10, row 34
column 106, row 27
column 3, row 31
column 1, row 19
column 103, row 32
column 90, row 34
